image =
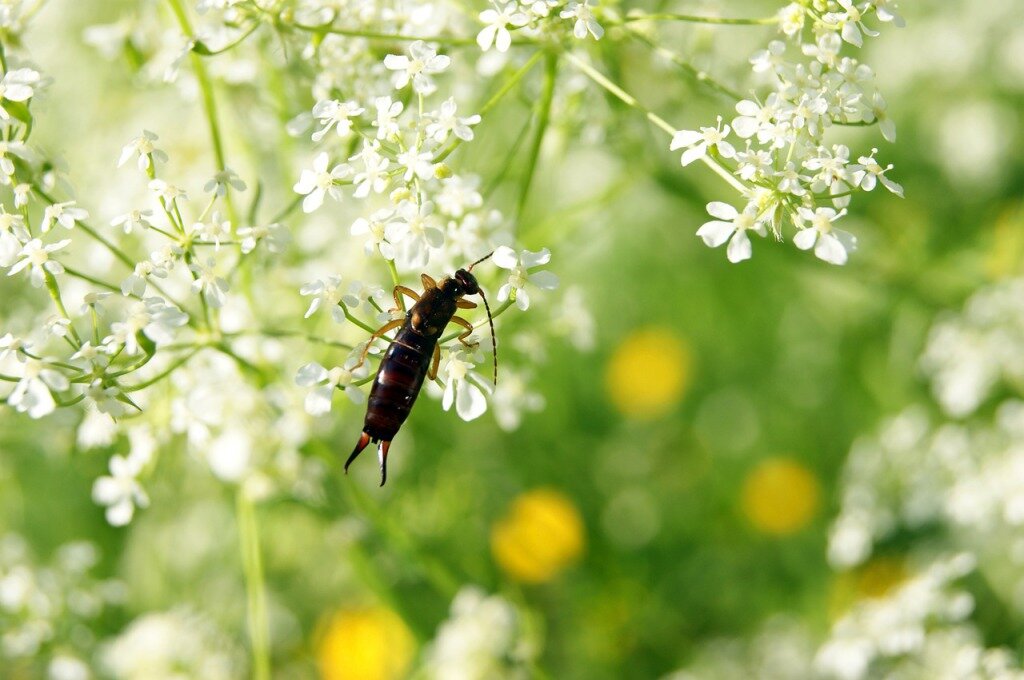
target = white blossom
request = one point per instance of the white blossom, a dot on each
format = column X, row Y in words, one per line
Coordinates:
column 520, row 265
column 731, row 226
column 421, row 62
column 319, row 182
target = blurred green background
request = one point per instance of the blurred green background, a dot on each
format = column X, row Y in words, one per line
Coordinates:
column 678, row 485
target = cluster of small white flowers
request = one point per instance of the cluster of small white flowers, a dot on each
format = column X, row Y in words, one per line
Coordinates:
column 45, row 609
column 482, row 638
column 531, row 18
column 416, row 214
column 776, row 148
column 172, row 644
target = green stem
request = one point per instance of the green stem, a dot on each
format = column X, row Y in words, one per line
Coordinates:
column 209, row 103
column 373, row 35
column 164, row 373
column 495, row 98
column 543, row 118
column 255, row 586
column 660, row 122
column 54, row 290
column 697, row 74
column 694, row 19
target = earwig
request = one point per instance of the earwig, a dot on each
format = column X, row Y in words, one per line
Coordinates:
column 415, row 354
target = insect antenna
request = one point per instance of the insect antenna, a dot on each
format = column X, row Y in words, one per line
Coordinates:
column 485, row 257
column 494, row 339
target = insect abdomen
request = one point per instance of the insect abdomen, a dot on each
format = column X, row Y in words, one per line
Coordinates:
column 397, row 384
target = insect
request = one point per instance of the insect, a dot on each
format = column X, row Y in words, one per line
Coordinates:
column 415, row 354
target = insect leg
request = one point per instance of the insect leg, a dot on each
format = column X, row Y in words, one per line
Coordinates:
column 389, row 326
column 364, row 439
column 428, row 282
column 435, row 362
column 403, row 290
column 463, row 303
column 382, row 456
column 458, row 320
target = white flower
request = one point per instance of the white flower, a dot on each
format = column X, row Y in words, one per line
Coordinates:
column 324, row 382
column 32, row 393
column 376, row 227
column 318, row 182
column 13, row 236
column 879, row 110
column 374, row 176
column 415, row 229
column 21, row 194
column 143, row 146
column 130, row 221
column 12, row 346
column 387, row 117
column 17, row 86
column 154, row 317
column 585, row 21
column 36, row 255
column 325, row 292
column 417, row 164
column 105, row 398
column 734, row 224
column 208, row 283
column 57, row 326
column 867, row 173
column 885, row 10
column 422, row 62
column 334, row 114
column 768, row 59
column 121, row 491
column 8, row 149
column 458, row 196
column 697, row 143
column 445, row 122
column 136, row 282
column 365, row 296
column 512, row 397
column 92, row 300
column 832, row 244
column 65, row 214
column 275, row 235
column 519, row 266
column 215, row 230
column 462, row 386
column 220, row 182
column 496, row 29
column 167, row 192
column 791, row 19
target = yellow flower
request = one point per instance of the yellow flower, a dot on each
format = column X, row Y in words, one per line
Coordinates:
column 364, row 644
column 780, row 496
column 875, row 579
column 541, row 534
column 648, row 373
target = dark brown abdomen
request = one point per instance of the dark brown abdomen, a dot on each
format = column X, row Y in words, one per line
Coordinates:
column 398, row 383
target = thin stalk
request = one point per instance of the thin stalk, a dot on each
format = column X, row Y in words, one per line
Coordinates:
column 660, row 122
column 164, row 373
column 373, row 35
column 694, row 19
column 543, row 118
column 255, row 585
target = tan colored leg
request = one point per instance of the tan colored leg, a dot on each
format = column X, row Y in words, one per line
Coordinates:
column 428, row 282
column 389, row 326
column 432, row 373
column 403, row 290
column 458, row 320
column 463, row 303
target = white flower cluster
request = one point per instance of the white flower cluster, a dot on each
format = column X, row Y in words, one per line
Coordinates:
column 416, row 213
column 532, row 17
column 776, row 148
column 484, row 637
column 46, row 610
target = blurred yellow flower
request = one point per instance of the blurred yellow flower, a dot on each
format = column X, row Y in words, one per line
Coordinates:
column 541, row 534
column 780, row 496
column 371, row 643
column 876, row 578
column 648, row 373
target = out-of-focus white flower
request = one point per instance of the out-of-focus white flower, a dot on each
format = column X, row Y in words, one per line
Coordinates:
column 154, row 317
column 386, row 120
column 364, row 296
column 17, row 85
column 319, row 182
column 374, row 176
column 208, row 283
column 445, row 122
column 32, row 393
column 497, row 20
column 13, row 236
column 215, row 229
column 37, row 256
column 731, row 226
column 143, row 145
column 414, row 230
column 585, row 22
column 65, row 214
column 130, row 221
column 334, row 114
column 121, row 491
column 219, row 183
column 275, row 235
column 512, row 397
column 167, row 192
column 324, row 382
column 375, row 228
column 421, row 62
column 519, row 266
